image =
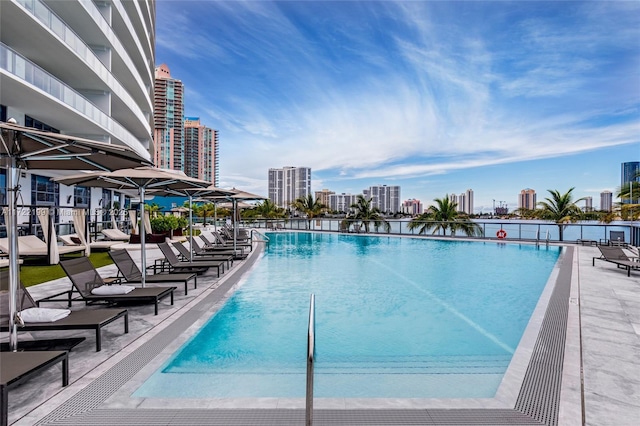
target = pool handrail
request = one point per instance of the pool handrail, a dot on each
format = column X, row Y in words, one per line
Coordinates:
column 311, row 350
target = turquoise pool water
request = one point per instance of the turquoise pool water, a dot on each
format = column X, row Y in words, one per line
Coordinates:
column 395, row 317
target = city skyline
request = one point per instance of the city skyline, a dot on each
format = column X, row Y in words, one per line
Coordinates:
column 432, row 96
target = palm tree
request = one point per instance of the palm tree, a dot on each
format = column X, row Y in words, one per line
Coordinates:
column 267, row 209
column 442, row 216
column 367, row 214
column 309, row 206
column 561, row 209
column 204, row 210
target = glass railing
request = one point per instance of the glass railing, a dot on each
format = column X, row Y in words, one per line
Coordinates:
column 25, row 70
column 50, row 20
column 520, row 230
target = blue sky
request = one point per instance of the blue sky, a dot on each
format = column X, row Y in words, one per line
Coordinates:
column 436, row 97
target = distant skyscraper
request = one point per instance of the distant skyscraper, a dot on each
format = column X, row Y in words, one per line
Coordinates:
column 527, row 199
column 468, row 202
column 386, row 198
column 201, row 151
column 606, row 201
column 631, row 173
column 462, row 199
column 412, row 207
column 168, row 111
column 288, row 184
column 323, row 196
column 453, row 198
column 341, row 202
column 588, row 204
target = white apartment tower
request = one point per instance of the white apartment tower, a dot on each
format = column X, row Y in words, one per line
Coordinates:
column 606, row 201
column 288, row 184
column 342, row 202
column 80, row 68
column 386, row 198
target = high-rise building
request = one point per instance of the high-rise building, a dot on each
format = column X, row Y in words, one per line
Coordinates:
column 588, row 204
column 168, row 114
column 323, row 196
column 527, row 199
column 453, row 199
column 606, row 201
column 631, row 176
column 288, row 184
column 201, row 150
column 342, row 202
column 386, row 198
column 80, row 68
column 468, row 202
column 412, row 207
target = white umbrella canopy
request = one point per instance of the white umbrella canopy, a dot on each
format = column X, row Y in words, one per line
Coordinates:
column 26, row 148
column 156, row 181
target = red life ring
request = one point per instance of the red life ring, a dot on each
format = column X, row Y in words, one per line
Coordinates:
column 501, row 234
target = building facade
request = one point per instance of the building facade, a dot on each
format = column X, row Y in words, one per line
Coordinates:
column 79, row 68
column 606, row 201
column 323, row 196
column 342, row 202
column 168, row 113
column 288, row 184
column 588, row 204
column 201, row 151
column 385, row 198
column 527, row 199
column 630, row 176
column 412, row 207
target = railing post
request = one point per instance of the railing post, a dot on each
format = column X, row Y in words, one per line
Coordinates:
column 311, row 340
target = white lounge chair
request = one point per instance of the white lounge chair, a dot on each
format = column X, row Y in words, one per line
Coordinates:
column 115, row 235
column 74, row 240
column 30, row 245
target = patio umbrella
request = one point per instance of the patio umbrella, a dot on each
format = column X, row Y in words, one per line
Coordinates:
column 25, row 148
column 156, row 181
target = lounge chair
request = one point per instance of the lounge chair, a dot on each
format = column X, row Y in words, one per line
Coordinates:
column 32, row 246
column 202, row 245
column 82, row 319
column 74, row 240
column 215, row 239
column 85, row 278
column 616, row 238
column 617, row 256
column 186, row 253
column 129, row 270
column 175, row 264
column 115, row 235
column 18, row 367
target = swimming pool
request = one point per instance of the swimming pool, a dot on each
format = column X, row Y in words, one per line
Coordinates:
column 395, row 317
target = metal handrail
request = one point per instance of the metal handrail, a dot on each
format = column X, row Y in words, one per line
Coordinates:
column 311, row 350
column 547, row 239
column 264, row 239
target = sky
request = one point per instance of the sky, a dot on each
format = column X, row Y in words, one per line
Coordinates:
column 437, row 97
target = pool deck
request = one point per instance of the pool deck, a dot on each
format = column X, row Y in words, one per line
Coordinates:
column 600, row 366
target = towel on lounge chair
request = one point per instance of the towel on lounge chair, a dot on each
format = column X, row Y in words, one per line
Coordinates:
column 104, row 290
column 43, row 314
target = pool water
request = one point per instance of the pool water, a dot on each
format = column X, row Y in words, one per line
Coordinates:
column 395, row 317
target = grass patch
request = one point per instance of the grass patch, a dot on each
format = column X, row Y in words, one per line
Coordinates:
column 37, row 274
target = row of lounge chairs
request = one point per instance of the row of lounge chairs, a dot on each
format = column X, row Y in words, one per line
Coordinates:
column 196, row 259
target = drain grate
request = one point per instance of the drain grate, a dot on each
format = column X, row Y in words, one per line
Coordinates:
column 537, row 402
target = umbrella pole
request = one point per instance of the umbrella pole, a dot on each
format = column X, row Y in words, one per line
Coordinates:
column 215, row 218
column 235, row 225
column 143, row 237
column 190, row 229
column 12, row 231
